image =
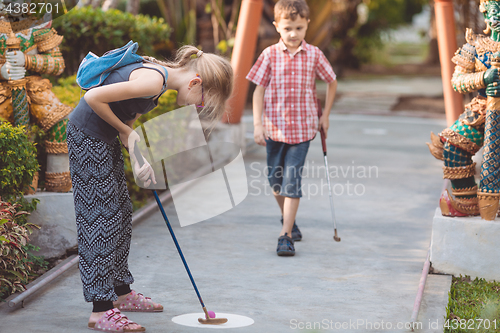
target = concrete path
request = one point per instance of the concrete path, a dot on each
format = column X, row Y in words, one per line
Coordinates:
column 387, row 186
column 377, row 96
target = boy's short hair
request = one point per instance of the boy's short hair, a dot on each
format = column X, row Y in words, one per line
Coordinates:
column 289, row 9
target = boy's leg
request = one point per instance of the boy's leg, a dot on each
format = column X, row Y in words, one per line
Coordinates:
column 275, row 167
column 280, row 200
column 292, row 183
column 290, row 207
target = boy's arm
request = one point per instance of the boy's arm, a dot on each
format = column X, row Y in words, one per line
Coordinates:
column 259, row 134
column 324, row 121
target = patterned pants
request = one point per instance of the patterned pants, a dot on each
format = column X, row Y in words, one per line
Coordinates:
column 103, row 214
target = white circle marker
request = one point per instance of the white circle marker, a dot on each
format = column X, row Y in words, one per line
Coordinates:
column 233, row 320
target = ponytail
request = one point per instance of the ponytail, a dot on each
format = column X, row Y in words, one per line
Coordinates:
column 182, row 58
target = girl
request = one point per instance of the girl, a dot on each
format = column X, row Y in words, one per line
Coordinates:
column 102, row 203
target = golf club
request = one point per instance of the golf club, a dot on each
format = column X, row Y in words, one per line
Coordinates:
column 323, row 143
column 209, row 315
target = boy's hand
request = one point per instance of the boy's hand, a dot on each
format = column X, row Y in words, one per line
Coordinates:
column 324, row 124
column 260, row 135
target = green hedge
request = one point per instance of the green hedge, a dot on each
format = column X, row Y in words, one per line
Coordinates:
column 86, row 29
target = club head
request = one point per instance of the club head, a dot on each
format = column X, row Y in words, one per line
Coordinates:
column 336, row 237
column 212, row 321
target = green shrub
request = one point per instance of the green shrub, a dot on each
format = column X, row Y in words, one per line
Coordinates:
column 87, row 29
column 67, row 91
column 16, row 265
column 18, row 161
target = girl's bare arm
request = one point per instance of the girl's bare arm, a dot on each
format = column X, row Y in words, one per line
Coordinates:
column 147, row 83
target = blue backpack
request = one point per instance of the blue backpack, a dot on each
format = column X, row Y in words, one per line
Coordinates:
column 93, row 70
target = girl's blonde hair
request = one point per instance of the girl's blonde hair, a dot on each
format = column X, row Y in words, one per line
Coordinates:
column 216, row 74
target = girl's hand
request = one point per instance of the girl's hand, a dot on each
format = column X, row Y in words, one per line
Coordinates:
column 123, row 139
column 144, row 172
column 324, row 124
column 129, row 139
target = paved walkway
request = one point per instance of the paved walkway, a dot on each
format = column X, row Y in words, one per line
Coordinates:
column 387, row 186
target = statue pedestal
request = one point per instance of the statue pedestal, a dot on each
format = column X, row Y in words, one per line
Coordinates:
column 55, row 214
column 465, row 245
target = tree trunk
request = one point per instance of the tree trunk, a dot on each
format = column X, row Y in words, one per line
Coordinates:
column 133, row 6
column 96, row 3
column 109, row 4
column 433, row 55
column 343, row 56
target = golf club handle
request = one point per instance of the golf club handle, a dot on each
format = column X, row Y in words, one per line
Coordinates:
column 138, row 155
column 323, row 139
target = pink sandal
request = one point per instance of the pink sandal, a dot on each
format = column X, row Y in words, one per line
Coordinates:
column 136, row 302
column 113, row 321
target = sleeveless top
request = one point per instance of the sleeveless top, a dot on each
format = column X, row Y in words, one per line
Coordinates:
column 91, row 124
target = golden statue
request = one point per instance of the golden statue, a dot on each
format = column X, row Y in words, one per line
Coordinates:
column 29, row 47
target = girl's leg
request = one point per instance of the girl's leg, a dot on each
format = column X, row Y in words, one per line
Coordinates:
column 98, row 218
column 123, row 278
column 123, row 275
column 95, row 208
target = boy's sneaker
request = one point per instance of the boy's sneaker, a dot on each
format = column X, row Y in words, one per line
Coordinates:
column 285, row 246
column 296, row 234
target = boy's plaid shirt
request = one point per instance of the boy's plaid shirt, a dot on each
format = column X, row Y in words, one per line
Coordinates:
column 290, row 109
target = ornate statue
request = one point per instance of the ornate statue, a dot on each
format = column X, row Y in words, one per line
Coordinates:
column 476, row 71
column 31, row 46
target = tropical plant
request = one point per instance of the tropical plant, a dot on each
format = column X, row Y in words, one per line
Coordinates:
column 18, row 161
column 181, row 16
column 15, row 264
column 224, row 19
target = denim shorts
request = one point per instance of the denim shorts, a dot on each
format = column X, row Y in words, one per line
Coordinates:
column 284, row 165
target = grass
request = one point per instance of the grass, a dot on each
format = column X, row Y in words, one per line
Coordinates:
column 473, row 306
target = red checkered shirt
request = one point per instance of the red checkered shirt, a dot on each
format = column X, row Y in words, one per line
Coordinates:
column 290, row 109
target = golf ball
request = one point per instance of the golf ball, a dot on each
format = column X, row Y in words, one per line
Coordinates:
column 211, row 314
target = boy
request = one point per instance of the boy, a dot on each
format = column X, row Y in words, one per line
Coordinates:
column 285, row 77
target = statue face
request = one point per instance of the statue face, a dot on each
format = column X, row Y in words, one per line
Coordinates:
column 492, row 15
